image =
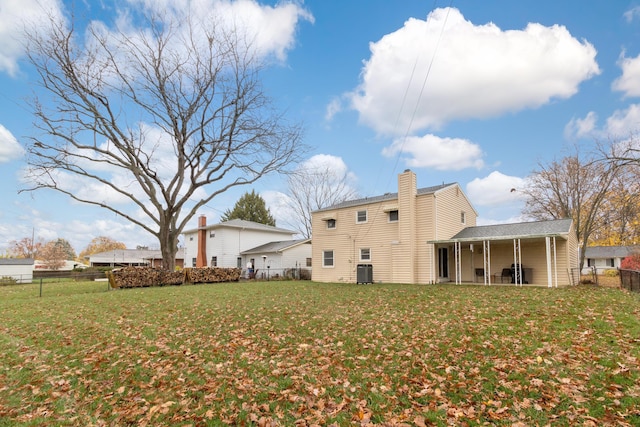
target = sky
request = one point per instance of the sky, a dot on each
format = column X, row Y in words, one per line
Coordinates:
column 475, row 92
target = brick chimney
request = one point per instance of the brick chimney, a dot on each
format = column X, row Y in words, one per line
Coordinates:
column 201, row 257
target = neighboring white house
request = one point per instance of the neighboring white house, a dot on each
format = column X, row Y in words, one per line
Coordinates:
column 235, row 243
column 132, row 258
column 67, row 266
column 280, row 258
column 604, row 258
column 18, row 269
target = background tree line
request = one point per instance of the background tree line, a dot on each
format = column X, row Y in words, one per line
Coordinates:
column 598, row 189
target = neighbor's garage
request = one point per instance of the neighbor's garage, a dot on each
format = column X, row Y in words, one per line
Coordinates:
column 18, row 269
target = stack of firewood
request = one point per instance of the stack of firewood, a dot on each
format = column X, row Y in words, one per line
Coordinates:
column 212, row 274
column 138, row 277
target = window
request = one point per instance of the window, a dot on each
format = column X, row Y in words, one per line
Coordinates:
column 193, row 262
column 327, row 258
column 308, row 262
column 191, row 238
column 361, row 216
column 239, row 262
column 463, row 217
column 590, row 262
column 212, row 234
column 214, row 261
column 610, row 262
column 393, row 216
column 365, row 254
column 331, row 223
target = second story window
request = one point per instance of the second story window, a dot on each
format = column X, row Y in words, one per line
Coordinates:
column 331, row 223
column 393, row 216
column 463, row 217
column 361, row 216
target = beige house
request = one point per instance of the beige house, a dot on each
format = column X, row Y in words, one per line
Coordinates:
column 429, row 235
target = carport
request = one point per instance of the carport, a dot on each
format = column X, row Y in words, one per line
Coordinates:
column 542, row 253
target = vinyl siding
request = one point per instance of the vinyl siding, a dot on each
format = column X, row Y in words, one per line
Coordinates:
column 228, row 242
column 399, row 250
column 449, row 203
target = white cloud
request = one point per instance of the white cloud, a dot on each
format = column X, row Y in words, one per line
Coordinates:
column 632, row 14
column 269, row 29
column 623, row 123
column 328, row 162
column 13, row 16
column 468, row 71
column 333, row 108
column 432, row 151
column 629, row 81
column 581, row 128
column 496, row 189
column 10, row 148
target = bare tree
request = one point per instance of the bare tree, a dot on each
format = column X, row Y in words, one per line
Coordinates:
column 166, row 118
column 573, row 187
column 316, row 185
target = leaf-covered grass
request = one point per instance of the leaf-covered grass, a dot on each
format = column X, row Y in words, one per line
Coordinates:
column 301, row 353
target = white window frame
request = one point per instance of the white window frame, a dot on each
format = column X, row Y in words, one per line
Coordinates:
column 324, row 258
column 366, row 216
column 367, row 252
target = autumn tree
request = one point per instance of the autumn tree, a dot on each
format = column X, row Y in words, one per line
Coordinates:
column 53, row 254
column 162, row 111
column 27, row 247
column 100, row 244
column 631, row 262
column 618, row 219
column 320, row 182
column 573, row 187
column 250, row 207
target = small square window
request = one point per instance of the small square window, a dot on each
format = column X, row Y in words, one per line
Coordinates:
column 361, row 216
column 327, row 258
column 365, row 254
column 393, row 216
column 191, row 238
column 331, row 223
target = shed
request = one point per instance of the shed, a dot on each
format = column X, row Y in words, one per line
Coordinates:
column 18, row 269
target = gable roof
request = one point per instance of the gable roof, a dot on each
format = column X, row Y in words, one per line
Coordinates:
column 275, row 246
column 610, row 251
column 383, row 198
column 533, row 229
column 242, row 224
column 131, row 255
column 16, row 261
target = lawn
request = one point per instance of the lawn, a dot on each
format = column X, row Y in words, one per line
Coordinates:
column 303, row 353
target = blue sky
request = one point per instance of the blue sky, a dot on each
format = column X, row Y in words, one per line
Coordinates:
column 458, row 91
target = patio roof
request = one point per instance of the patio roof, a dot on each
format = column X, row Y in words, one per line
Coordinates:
column 522, row 230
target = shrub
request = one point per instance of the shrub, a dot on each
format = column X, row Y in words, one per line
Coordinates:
column 632, row 262
column 7, row 280
column 611, row 273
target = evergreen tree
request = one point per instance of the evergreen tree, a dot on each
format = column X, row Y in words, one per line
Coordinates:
column 250, row 207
